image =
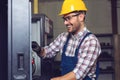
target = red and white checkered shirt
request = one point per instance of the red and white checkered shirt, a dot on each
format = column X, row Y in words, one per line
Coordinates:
column 88, row 53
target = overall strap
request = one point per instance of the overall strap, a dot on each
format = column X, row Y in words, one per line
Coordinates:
column 77, row 49
column 65, row 46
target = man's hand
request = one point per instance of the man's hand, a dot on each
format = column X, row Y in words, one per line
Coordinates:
column 36, row 48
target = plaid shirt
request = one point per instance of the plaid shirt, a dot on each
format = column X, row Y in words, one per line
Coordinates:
column 87, row 56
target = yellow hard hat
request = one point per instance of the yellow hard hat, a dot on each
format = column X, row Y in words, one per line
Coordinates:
column 72, row 5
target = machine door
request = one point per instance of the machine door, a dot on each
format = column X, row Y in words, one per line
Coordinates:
column 19, row 44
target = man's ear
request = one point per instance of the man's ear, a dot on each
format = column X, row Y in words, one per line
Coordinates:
column 82, row 17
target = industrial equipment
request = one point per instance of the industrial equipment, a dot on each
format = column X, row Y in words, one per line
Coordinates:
column 42, row 33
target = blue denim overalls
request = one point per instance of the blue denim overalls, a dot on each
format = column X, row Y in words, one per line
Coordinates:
column 68, row 63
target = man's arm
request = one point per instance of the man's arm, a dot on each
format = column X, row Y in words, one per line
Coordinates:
column 68, row 76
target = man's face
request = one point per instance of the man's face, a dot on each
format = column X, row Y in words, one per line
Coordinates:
column 74, row 22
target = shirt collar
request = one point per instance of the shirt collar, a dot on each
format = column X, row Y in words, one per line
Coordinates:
column 77, row 36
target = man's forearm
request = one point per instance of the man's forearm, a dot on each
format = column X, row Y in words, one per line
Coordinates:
column 68, row 76
column 42, row 53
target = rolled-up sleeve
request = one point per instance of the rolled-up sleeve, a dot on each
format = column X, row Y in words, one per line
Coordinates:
column 55, row 46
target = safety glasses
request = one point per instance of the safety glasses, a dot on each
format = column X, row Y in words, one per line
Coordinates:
column 68, row 18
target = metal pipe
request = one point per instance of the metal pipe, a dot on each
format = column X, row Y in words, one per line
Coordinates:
column 114, row 16
column 35, row 7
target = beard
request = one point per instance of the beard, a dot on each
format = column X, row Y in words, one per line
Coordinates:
column 75, row 29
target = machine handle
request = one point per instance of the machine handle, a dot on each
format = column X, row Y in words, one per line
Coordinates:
column 20, row 61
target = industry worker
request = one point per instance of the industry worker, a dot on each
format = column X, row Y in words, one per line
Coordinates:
column 78, row 46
